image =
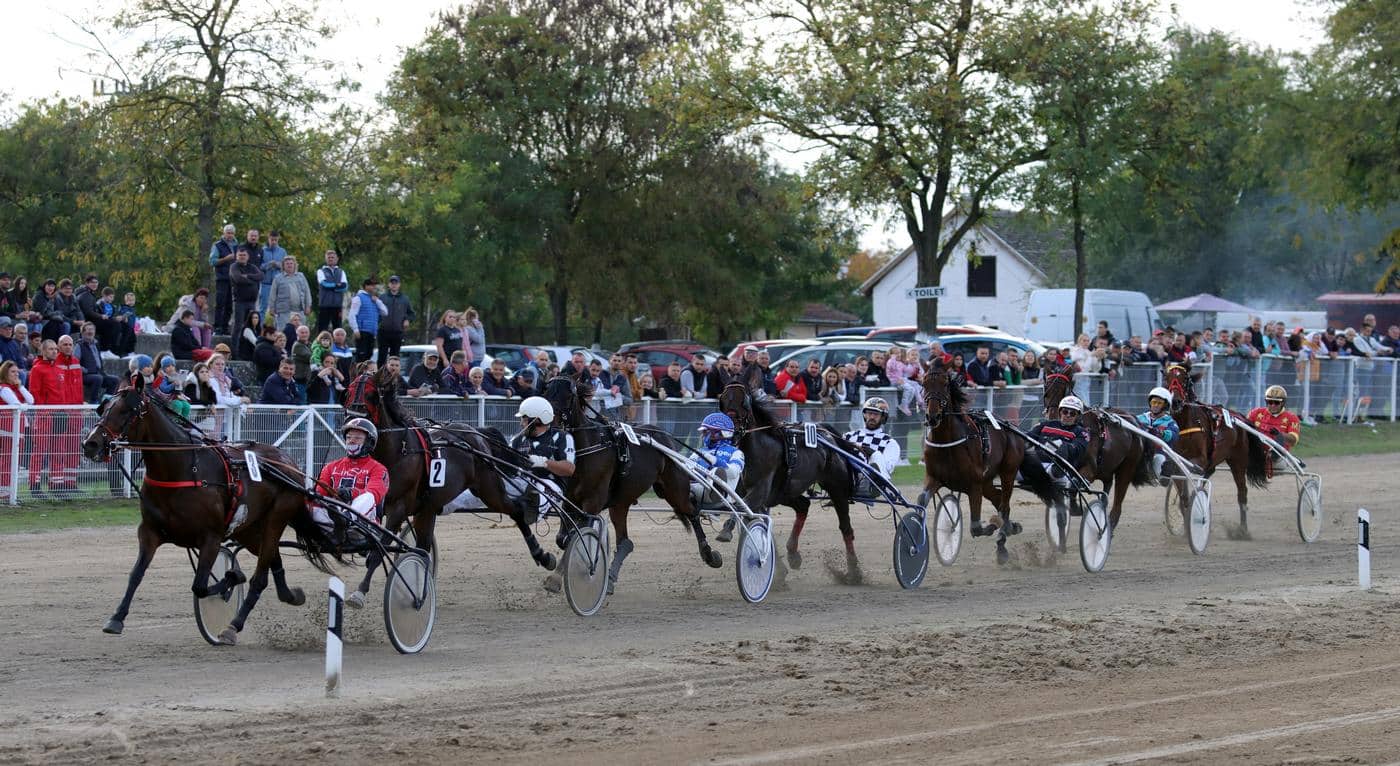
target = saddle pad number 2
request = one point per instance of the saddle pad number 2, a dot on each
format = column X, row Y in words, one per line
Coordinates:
column 437, row 472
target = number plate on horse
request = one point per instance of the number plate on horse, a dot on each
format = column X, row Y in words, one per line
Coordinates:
column 809, row 434
column 437, row 472
column 254, row 470
column 630, row 434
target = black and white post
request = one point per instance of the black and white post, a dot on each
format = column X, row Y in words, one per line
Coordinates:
column 1363, row 549
column 335, row 624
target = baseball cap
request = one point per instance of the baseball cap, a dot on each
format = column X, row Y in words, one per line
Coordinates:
column 395, row 278
column 6, row 322
column 433, row 353
column 4, row 275
column 750, row 349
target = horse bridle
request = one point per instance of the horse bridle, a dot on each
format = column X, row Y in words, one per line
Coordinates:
column 748, row 404
column 116, row 437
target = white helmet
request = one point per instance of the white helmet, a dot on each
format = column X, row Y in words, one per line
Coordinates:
column 1072, row 403
column 537, row 408
column 1160, row 393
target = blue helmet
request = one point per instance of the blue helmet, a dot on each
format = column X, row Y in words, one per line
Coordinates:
column 717, row 427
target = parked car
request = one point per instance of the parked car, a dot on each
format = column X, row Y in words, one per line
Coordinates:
column 560, row 355
column 968, row 343
column 858, row 332
column 909, row 333
column 514, row 355
column 413, row 354
column 1050, row 313
column 840, row 352
column 659, row 354
column 776, row 347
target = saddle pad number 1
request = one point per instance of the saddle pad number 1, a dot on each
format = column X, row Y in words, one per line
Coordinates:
column 254, row 470
column 809, row 434
column 437, row 472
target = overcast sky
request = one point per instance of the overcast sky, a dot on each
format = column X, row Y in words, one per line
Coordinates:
column 40, row 57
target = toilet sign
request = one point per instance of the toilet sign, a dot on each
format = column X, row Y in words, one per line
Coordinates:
column 926, row 293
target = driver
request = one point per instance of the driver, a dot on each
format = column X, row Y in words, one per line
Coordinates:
column 549, row 450
column 720, row 457
column 1274, row 418
column 884, row 450
column 1065, row 436
column 1158, row 419
column 357, row 479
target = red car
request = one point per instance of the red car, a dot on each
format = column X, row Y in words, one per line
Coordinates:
column 659, row 354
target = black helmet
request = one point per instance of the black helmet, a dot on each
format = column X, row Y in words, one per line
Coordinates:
column 371, row 436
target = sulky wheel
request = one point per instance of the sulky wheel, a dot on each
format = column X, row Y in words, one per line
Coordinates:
column 910, row 548
column 410, row 602
column 214, row 613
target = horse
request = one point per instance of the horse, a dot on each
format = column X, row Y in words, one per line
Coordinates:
column 779, row 467
column 419, row 489
column 1116, row 456
column 603, row 480
column 1207, row 440
column 198, row 493
column 965, row 453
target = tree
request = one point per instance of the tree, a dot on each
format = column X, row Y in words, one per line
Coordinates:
column 210, row 103
column 900, row 98
column 47, row 160
column 1084, row 73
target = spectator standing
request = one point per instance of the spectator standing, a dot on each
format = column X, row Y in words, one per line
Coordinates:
column 8, row 306
column 272, row 256
column 197, row 303
column 812, row 378
column 301, row 356
column 246, row 280
column 87, row 297
column 447, row 339
column 984, row 371
column 22, row 338
column 46, row 385
column 576, row 367
column 1256, row 335
column 475, row 337
column 476, row 381
column 182, row 340
column 247, row 340
column 112, row 323
column 762, row 360
column 522, row 383
column 366, row 313
column 9, row 348
column 327, row 384
column 126, row 325
column 453, row 381
column 68, row 426
column 197, row 387
column 68, row 309
column 789, row 383
column 426, row 376
column 397, row 321
column 495, row 383
column 671, row 385
column 221, row 257
column 281, row 387
column 266, row 356
column 333, row 285
column 19, row 296
column 288, row 292
column 634, row 381
column 12, row 426
column 344, row 355
column 320, row 348
column 833, row 390
column 869, row 375
column 877, row 366
column 1391, row 340
column 719, row 376
column 695, row 382
column 95, row 381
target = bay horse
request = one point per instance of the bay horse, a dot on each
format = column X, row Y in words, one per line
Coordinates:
column 779, row 467
column 1116, row 456
column 1207, row 440
column 602, row 480
column 198, row 493
column 965, row 453
column 408, row 447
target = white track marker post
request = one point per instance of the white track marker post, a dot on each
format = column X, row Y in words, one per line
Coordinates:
column 1363, row 548
column 335, row 623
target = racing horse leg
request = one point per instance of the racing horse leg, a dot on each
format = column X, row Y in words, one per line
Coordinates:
column 394, row 515
column 800, row 506
column 148, row 540
column 268, row 554
column 617, row 512
column 1238, row 461
column 288, row 595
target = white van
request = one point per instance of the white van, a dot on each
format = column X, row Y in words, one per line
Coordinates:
column 1050, row 314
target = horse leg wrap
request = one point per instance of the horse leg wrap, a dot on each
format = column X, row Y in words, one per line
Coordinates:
column 726, row 533
column 620, row 554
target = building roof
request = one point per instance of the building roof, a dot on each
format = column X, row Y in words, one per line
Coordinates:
column 1358, row 298
column 1204, row 302
column 816, row 313
column 1024, row 233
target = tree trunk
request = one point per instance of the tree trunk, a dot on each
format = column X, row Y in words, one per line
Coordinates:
column 1081, row 265
column 559, row 312
column 930, row 269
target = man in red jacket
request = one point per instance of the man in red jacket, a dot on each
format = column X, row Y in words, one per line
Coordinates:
column 789, row 383
column 68, row 425
column 46, row 386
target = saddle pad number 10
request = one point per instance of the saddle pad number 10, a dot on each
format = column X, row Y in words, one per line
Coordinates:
column 809, row 434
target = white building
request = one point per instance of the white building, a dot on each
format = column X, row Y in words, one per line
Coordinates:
column 1015, row 249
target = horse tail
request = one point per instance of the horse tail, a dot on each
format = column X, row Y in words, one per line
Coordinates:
column 1257, row 469
column 316, row 545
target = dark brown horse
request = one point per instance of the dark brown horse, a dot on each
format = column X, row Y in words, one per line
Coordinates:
column 197, row 493
column 408, row 448
column 602, row 480
column 1116, row 456
column 779, row 467
column 1209, row 437
column 965, row 453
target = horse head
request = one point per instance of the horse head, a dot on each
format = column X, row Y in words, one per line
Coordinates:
column 362, row 398
column 1181, row 382
column 565, row 395
column 939, row 392
column 736, row 401
column 117, row 416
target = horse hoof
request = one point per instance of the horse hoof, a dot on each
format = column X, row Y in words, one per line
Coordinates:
column 235, row 577
column 549, row 561
column 612, row 586
column 979, row 530
column 229, row 637
column 794, row 558
column 725, row 535
column 553, row 583
column 114, row 627
column 1013, row 528
column 1002, row 555
column 356, row 600
column 713, row 558
column 297, row 597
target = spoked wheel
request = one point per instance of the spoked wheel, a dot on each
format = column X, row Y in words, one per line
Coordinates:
column 586, row 572
column 410, row 602
column 1095, row 536
column 754, row 560
column 1056, row 526
column 1198, row 519
column 910, row 548
column 947, row 529
column 213, row 613
column 1171, row 510
column 410, row 536
column 1310, row 509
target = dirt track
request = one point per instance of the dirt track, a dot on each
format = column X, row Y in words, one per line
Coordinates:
column 1261, row 651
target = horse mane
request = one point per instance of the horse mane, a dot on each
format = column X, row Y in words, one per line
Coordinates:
column 957, row 397
column 765, row 414
column 394, row 410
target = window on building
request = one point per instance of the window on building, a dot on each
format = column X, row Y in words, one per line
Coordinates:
column 982, row 278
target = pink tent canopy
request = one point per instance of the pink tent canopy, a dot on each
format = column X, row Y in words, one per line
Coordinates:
column 1204, row 302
